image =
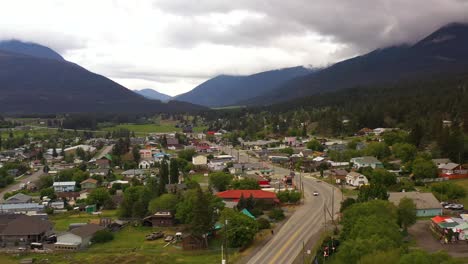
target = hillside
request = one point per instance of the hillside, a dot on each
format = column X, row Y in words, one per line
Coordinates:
column 226, row 90
column 41, row 85
column 153, row 95
column 31, row 49
column 443, row 52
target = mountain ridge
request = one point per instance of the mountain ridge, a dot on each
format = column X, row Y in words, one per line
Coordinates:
column 153, row 94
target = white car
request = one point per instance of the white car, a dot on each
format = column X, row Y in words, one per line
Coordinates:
column 316, row 193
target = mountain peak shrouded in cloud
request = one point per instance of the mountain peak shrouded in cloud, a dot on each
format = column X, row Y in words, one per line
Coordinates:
column 153, row 94
column 177, row 44
column 30, row 49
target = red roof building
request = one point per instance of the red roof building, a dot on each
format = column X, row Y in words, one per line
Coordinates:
column 439, row 219
column 235, row 195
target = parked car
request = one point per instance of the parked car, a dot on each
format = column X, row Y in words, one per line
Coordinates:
column 51, row 239
column 155, row 235
column 454, row 206
column 168, row 238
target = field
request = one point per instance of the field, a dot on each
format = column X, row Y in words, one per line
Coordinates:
column 62, row 221
column 129, row 246
column 165, row 127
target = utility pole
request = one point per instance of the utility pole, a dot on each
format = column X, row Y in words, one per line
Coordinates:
column 225, row 237
column 303, row 252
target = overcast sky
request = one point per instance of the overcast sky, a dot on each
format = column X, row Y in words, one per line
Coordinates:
column 174, row 45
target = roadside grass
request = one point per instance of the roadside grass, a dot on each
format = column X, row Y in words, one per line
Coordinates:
column 130, row 246
column 63, row 220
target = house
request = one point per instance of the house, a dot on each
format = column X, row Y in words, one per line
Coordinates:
column 86, row 148
column 103, row 163
column 362, row 162
column 145, row 164
column 199, row 160
column 339, row 176
column 192, row 242
column 441, row 162
column 89, row 184
column 453, row 171
column 99, row 172
column 21, row 230
column 160, row 218
column 64, row 186
column 259, row 195
column 356, row 179
column 21, row 208
column 449, row 168
column 18, row 198
column 77, row 238
column 426, row 203
column 146, row 153
column 69, row 196
column 172, row 141
column 133, row 173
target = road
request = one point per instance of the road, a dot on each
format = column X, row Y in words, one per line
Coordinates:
column 105, row 150
column 24, row 179
column 305, row 222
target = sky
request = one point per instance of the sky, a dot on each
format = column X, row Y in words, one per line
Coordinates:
column 173, row 45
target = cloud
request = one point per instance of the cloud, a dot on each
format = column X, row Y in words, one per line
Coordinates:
column 174, row 45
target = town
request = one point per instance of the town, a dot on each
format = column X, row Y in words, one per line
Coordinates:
column 68, row 194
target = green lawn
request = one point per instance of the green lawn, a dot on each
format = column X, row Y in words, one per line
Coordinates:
column 62, row 221
column 130, row 246
column 164, row 127
column 464, row 184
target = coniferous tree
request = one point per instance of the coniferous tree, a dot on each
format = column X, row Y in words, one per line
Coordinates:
column 174, row 171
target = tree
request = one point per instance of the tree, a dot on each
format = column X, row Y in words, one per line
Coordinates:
column 54, row 152
column 164, row 172
column 242, row 203
column 448, row 191
column 166, row 201
column 136, row 154
column 347, row 203
column 379, row 150
column 406, row 213
column 49, row 192
column 186, row 154
column 423, row 168
column 404, row 151
column 371, row 192
column 240, row 230
column 99, row 197
column 220, row 180
column 383, row 177
column 102, row 236
column 202, row 219
column 174, row 171
column 246, row 184
column 314, row 145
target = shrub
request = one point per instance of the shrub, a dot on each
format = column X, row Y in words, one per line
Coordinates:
column 263, row 223
column 102, row 236
column 276, row 214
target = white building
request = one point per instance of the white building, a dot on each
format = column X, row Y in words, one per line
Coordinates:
column 145, row 164
column 77, row 238
column 356, row 179
column 64, row 186
column 199, row 160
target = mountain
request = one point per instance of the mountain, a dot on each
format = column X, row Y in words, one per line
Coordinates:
column 27, row 48
column 30, row 84
column 225, row 90
column 154, row 95
column 443, row 52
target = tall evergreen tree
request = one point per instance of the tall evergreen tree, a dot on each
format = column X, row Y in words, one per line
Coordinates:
column 174, row 171
column 164, row 172
column 202, row 220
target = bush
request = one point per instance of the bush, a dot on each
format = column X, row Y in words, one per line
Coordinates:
column 276, row 214
column 102, row 236
column 448, row 191
column 256, row 212
column 294, row 197
column 263, row 223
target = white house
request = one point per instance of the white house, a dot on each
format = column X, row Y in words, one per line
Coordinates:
column 356, row 179
column 77, row 238
column 199, row 160
column 64, row 186
column 362, row 162
column 145, row 164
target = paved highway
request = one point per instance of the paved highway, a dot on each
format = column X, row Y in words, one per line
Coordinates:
column 306, row 221
column 24, row 179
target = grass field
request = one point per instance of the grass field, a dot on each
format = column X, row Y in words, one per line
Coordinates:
column 164, row 127
column 130, row 246
column 62, row 221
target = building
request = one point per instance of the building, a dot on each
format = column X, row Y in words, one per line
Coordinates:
column 21, row 230
column 103, row 163
column 356, row 179
column 21, row 208
column 77, row 238
column 235, row 195
column 145, row 164
column 19, row 198
column 89, row 184
column 146, row 153
column 64, row 186
column 362, row 162
column 426, row 203
column 199, row 160
column 339, row 176
column 160, row 218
